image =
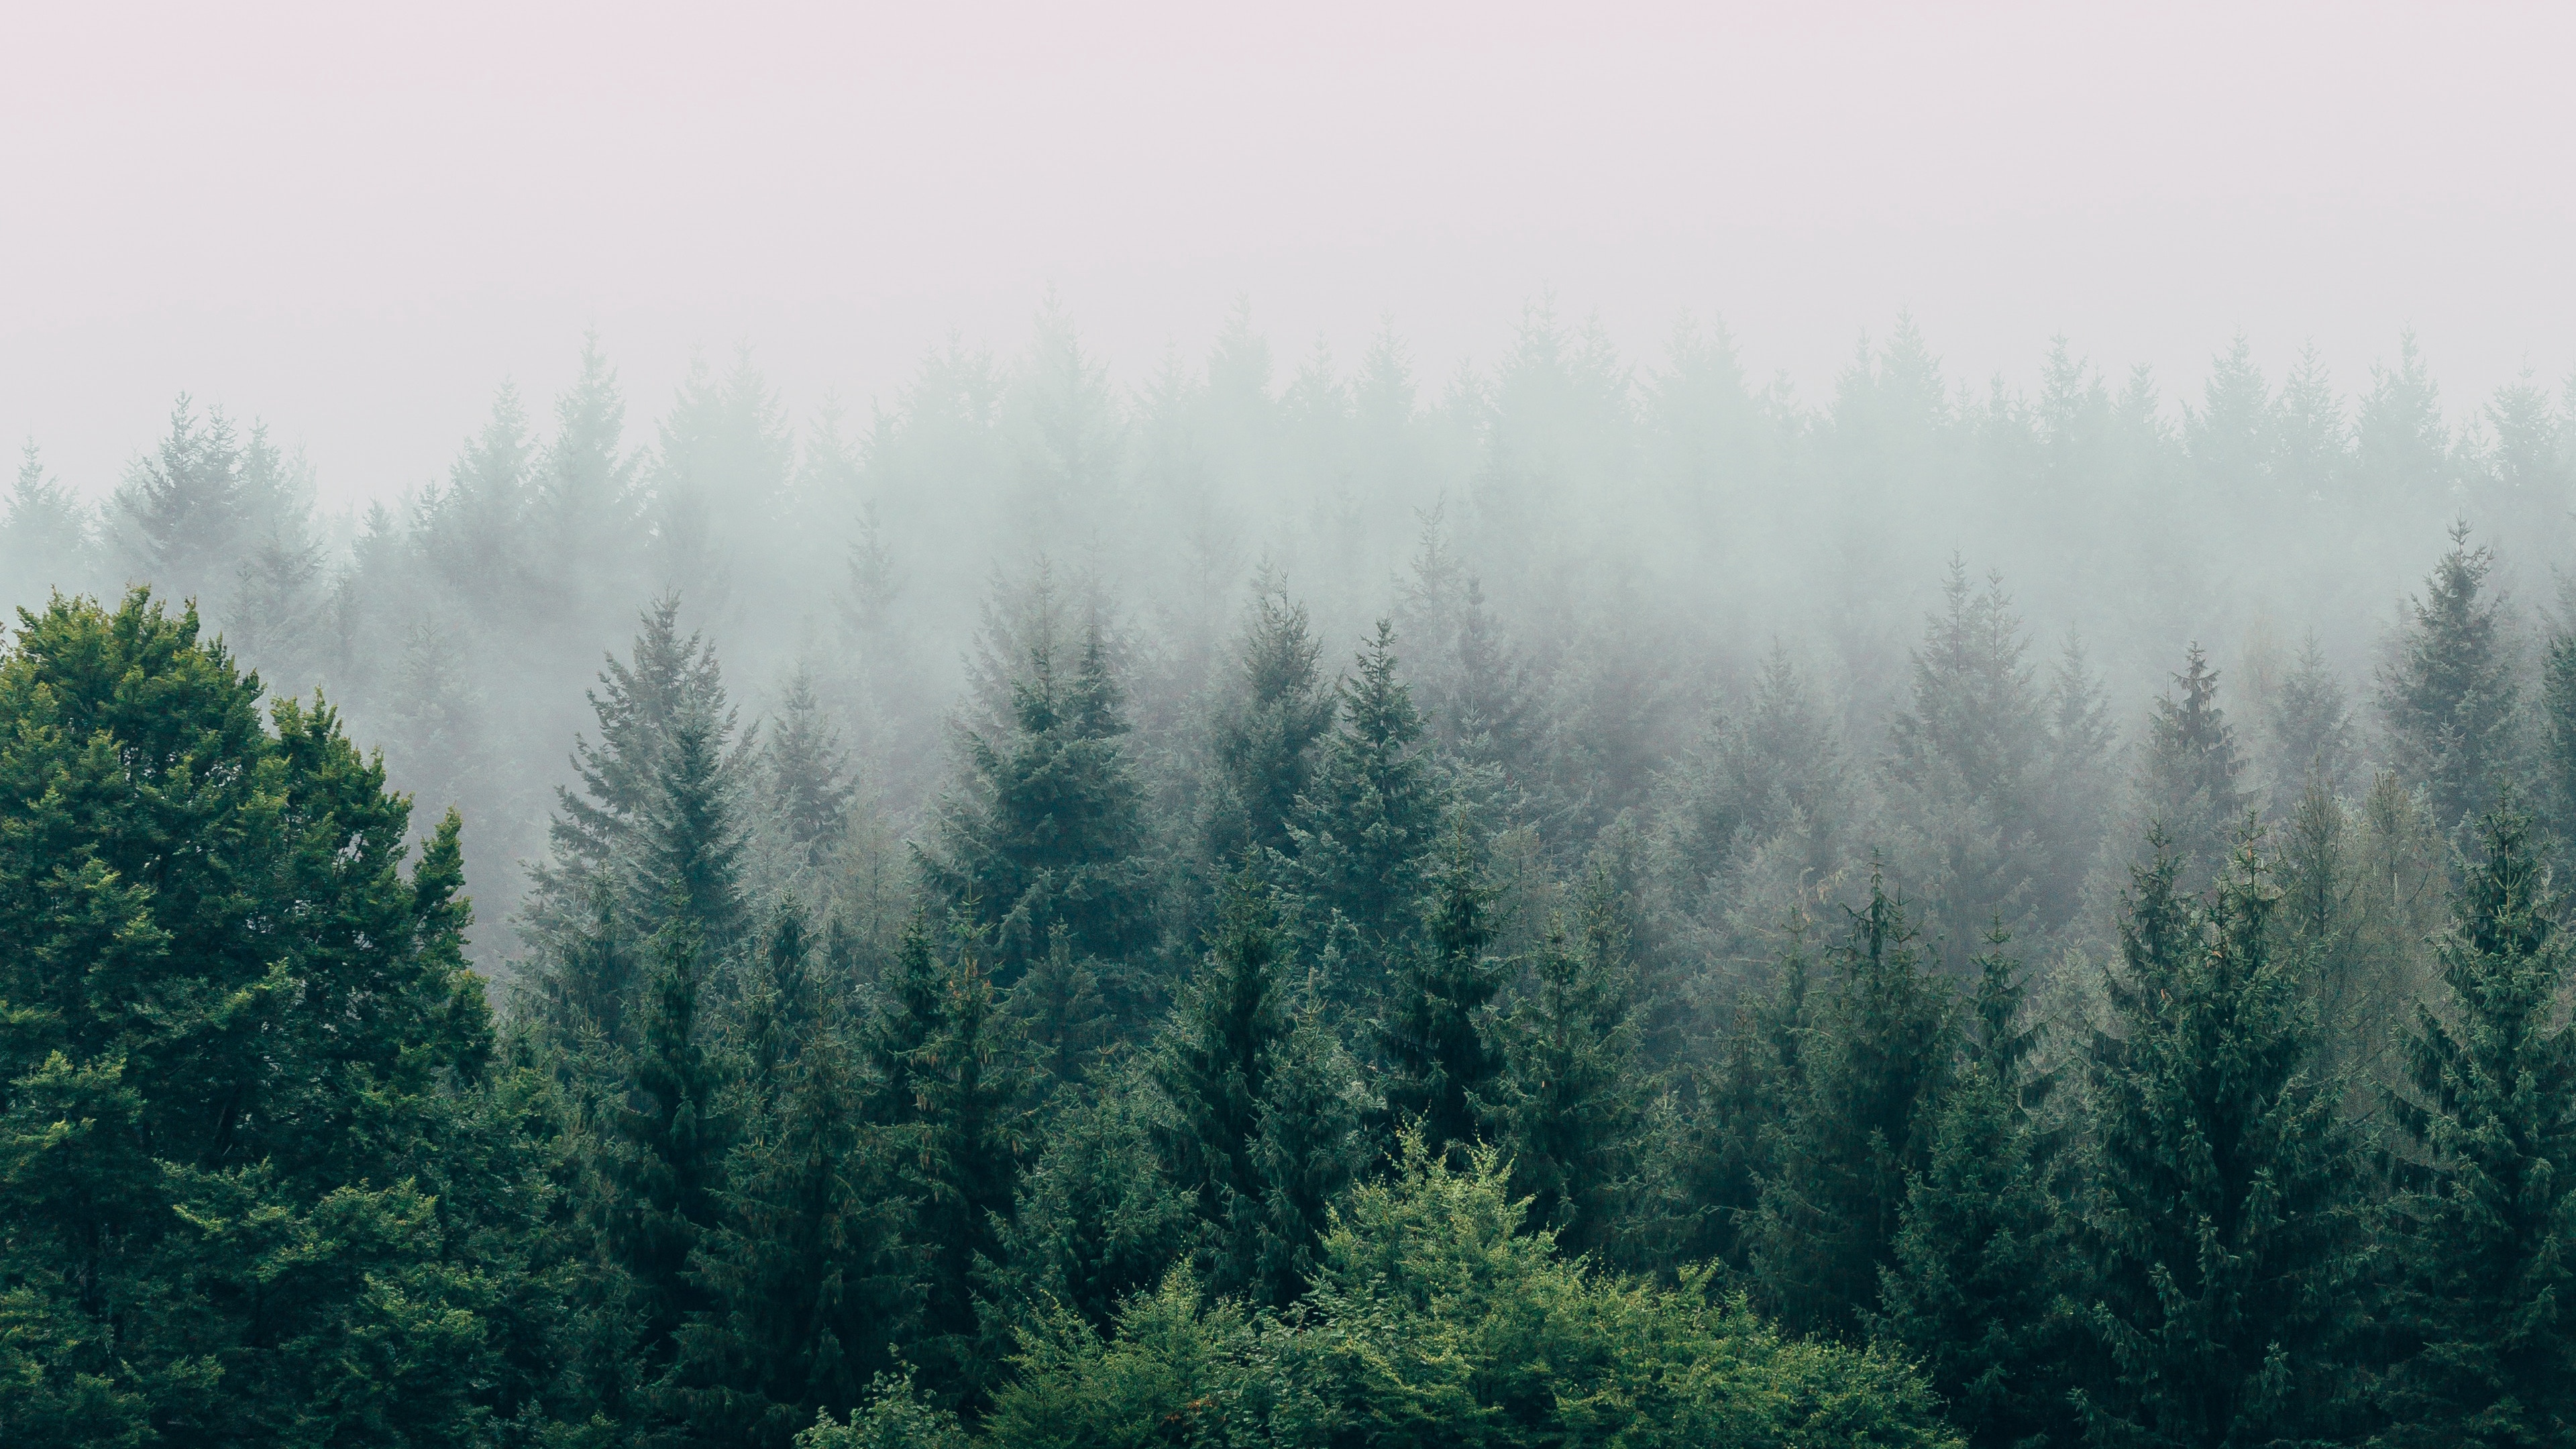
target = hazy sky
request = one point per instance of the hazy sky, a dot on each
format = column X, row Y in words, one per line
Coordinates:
column 356, row 225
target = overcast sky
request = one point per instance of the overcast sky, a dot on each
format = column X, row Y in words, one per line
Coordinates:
column 355, row 225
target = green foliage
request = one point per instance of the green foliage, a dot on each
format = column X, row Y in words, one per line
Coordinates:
column 1980, row 1286
column 1048, row 828
column 1266, row 733
column 1874, row 1070
column 243, row 1131
column 2188, row 784
column 1435, row 1030
column 2222, row 1204
column 1363, row 830
column 2485, row 1224
column 2451, row 697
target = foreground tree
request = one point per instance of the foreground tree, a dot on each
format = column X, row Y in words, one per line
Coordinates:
column 240, row 1056
column 2221, row 1212
column 2486, row 1223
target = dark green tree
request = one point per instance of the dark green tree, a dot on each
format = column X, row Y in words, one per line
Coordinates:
column 2487, row 1212
column 1047, row 824
column 254, row 1186
column 1363, row 832
column 2221, row 1211
column 1979, row 1289
column 1435, row 1030
column 664, row 1174
column 1267, row 729
column 1569, row 1109
column 1875, row 1072
column 2450, row 696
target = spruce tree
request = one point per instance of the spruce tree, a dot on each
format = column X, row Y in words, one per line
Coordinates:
column 1363, row 832
column 2557, row 783
column 2487, row 1211
column 2310, row 728
column 1434, row 1029
column 1098, row 1217
column 182, row 517
column 1875, row 1072
column 689, row 842
column 1266, row 732
column 960, row 1161
column 2221, row 1210
column 2450, row 696
column 665, row 1168
column 1569, row 1108
column 2188, row 785
column 1214, row 1065
column 1979, row 1283
column 1047, row 826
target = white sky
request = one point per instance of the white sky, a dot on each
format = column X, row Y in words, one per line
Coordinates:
column 355, row 225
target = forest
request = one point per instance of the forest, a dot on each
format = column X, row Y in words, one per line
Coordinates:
column 1589, row 902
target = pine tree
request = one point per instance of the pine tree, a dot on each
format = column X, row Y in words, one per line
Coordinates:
column 1977, row 1289
column 2558, row 733
column 1098, row 1218
column 2487, row 1211
column 2188, row 783
column 961, row 1161
column 1434, row 1030
column 1363, row 831
column 2450, row 696
column 2221, row 1208
column 1569, row 1108
column 1048, row 825
column 806, row 781
column 44, row 536
column 1306, row 1151
column 1875, row 1071
column 1266, row 734
column 2311, row 728
column 182, row 517
column 1725, row 1138
column 689, row 842
column 1962, row 765
column 665, row 1171
column 1214, row 1063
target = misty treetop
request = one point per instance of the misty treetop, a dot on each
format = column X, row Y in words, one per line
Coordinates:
column 1588, row 904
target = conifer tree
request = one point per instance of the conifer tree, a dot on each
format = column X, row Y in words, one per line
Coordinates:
column 2487, row 1210
column 1434, row 1030
column 2188, row 785
column 1267, row 731
column 1978, row 1288
column 2220, row 1211
column 1363, row 831
column 1569, row 1108
column 2450, row 696
column 2311, row 728
column 961, row 1161
column 1875, row 1072
column 44, row 534
column 2557, row 783
column 665, row 1171
column 1214, row 1065
column 1098, row 1218
column 1963, row 764
column 1724, row 1140
column 806, row 782
column 183, row 518
column 1047, row 826
column 689, row 842
column 1306, row 1151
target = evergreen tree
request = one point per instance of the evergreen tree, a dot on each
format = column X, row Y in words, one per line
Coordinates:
column 44, row 536
column 1963, row 761
column 2450, row 696
column 1726, row 1138
column 689, row 842
column 2188, row 782
column 1214, row 1065
column 665, row 1169
column 1875, row 1073
column 1363, row 831
column 1048, row 826
column 257, row 1178
column 1434, row 1030
column 2557, row 733
column 2311, row 728
column 2221, row 1208
column 806, row 781
column 1267, row 731
column 960, row 1160
column 2484, row 1222
column 183, row 517
column 1569, row 1108
column 1306, row 1151
column 1098, row 1218
column 1979, row 1282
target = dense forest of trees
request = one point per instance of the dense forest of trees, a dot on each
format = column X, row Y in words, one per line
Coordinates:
column 1576, row 911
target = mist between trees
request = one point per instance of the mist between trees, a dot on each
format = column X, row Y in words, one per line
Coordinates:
column 1062, row 905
